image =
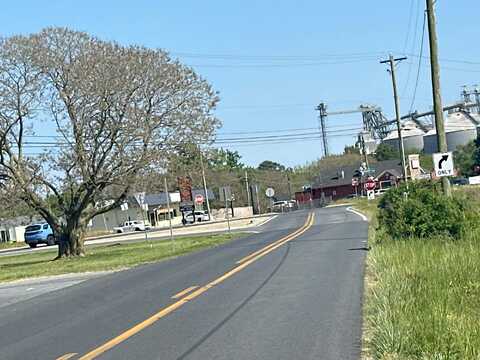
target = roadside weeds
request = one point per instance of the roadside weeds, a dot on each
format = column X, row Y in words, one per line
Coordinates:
column 421, row 296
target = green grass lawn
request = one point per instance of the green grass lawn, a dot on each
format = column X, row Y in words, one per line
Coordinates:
column 105, row 257
column 422, row 297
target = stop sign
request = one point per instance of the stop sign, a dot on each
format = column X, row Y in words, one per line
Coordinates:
column 370, row 184
column 199, row 198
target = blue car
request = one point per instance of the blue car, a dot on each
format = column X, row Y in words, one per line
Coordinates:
column 39, row 234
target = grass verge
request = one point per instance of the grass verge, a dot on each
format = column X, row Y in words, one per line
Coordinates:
column 105, row 257
column 11, row 245
column 422, row 296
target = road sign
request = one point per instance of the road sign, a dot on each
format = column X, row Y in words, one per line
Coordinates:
column 474, row 180
column 140, row 197
column 270, row 192
column 414, row 166
column 124, row 206
column 354, row 182
column 370, row 184
column 199, row 199
column 185, row 188
column 371, row 195
column 443, row 164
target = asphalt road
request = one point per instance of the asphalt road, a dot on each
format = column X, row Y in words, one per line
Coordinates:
column 298, row 298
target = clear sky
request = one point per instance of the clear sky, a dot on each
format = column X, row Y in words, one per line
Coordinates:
column 274, row 61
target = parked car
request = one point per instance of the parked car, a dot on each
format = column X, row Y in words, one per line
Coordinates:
column 199, row 217
column 39, row 234
column 292, row 204
column 133, row 225
column 280, row 206
column 459, row 181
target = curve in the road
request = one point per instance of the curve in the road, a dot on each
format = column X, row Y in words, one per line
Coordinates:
column 169, row 309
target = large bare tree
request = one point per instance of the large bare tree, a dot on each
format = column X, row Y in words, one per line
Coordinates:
column 114, row 112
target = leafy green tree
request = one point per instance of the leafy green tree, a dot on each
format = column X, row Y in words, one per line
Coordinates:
column 270, row 165
column 351, row 149
column 386, row 152
column 221, row 159
column 467, row 156
column 118, row 111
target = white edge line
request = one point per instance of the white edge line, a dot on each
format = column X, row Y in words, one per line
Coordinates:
column 338, row 205
column 364, row 218
column 266, row 221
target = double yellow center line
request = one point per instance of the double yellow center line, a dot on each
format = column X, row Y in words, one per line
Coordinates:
column 242, row 264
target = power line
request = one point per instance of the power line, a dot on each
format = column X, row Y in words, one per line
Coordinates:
column 334, row 130
column 286, row 135
column 234, row 107
column 409, row 73
column 309, row 60
column 335, row 127
column 292, row 65
column 410, row 17
column 412, row 104
column 237, row 57
column 265, row 131
column 467, row 62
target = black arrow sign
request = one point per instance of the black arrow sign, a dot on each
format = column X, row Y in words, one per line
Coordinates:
column 442, row 160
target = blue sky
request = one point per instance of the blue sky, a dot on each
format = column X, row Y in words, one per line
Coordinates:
column 278, row 59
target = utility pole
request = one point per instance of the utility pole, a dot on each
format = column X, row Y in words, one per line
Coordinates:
column 205, row 190
column 365, row 157
column 167, row 194
column 247, row 188
column 226, row 208
column 258, row 200
column 392, row 61
column 364, row 151
column 322, row 108
column 437, row 98
column 289, row 185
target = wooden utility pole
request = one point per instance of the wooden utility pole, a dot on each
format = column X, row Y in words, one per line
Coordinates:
column 167, row 194
column 205, row 190
column 364, row 151
column 247, row 188
column 322, row 108
column 226, row 209
column 437, row 98
column 289, row 183
column 392, row 61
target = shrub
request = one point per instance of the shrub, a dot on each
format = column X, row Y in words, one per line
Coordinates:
column 423, row 211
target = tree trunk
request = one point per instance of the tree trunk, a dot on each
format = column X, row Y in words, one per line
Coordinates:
column 70, row 240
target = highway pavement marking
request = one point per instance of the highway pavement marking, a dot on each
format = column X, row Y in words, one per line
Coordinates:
column 162, row 313
column 266, row 221
column 364, row 218
column 66, row 356
column 248, row 257
column 184, row 292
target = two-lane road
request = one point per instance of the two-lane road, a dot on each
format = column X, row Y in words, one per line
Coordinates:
column 292, row 291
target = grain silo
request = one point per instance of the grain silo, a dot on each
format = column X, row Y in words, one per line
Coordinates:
column 460, row 129
column 412, row 137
